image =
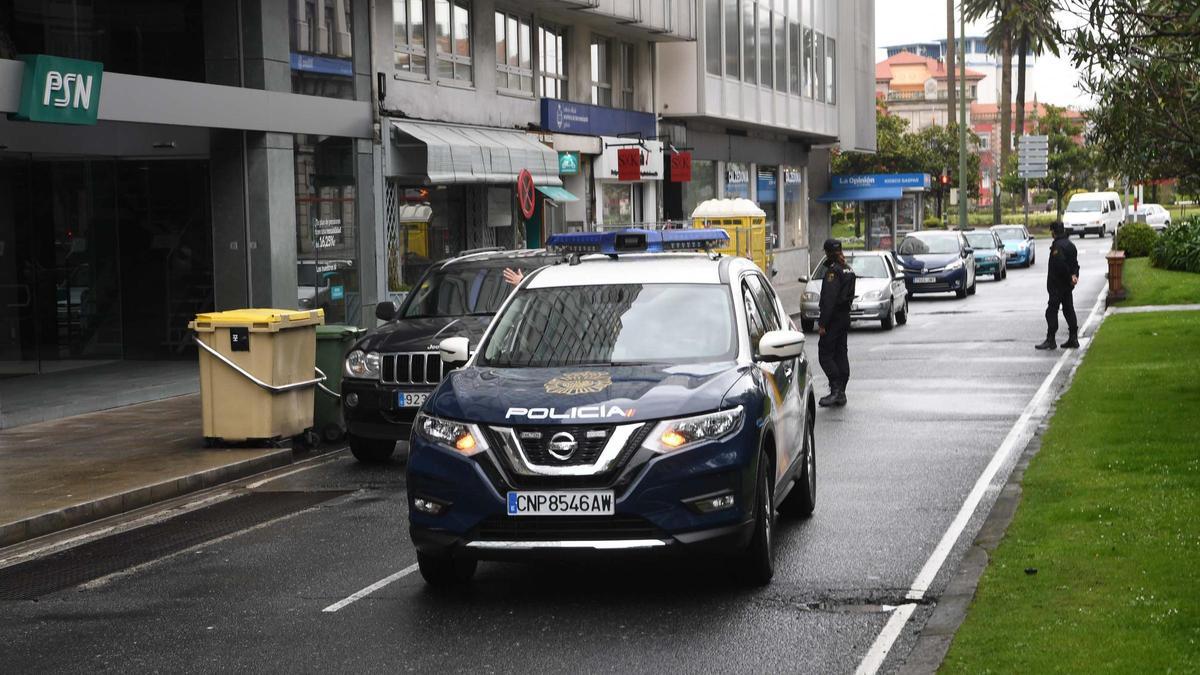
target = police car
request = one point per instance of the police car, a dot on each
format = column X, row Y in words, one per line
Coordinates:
column 640, row 400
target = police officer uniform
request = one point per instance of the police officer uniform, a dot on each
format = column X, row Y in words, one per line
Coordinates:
column 1061, row 275
column 837, row 295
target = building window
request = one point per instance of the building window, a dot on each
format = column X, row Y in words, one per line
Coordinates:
column 819, row 65
column 733, row 43
column 712, row 36
column 601, row 73
column 749, row 60
column 779, row 27
column 764, row 47
column 408, row 26
column 794, row 57
column 984, row 141
column 810, row 73
column 552, row 61
column 830, row 71
column 453, row 39
column 514, row 68
column 625, row 50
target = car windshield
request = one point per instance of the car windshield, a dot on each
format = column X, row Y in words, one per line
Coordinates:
column 981, row 240
column 864, row 266
column 1084, row 206
column 917, row 245
column 459, row 290
column 618, row 324
column 1010, row 234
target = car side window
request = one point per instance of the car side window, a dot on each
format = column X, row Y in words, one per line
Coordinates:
column 765, row 301
column 754, row 320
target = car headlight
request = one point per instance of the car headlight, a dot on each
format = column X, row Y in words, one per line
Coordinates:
column 680, row 434
column 809, row 296
column 872, row 295
column 362, row 364
column 465, row 439
column 954, row 265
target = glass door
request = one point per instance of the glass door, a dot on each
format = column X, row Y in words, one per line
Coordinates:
column 18, row 328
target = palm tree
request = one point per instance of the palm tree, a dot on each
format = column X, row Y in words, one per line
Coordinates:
column 1036, row 33
column 999, row 39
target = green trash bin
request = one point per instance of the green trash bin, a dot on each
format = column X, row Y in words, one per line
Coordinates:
column 332, row 344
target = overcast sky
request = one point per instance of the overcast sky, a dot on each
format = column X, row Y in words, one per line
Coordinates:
column 903, row 21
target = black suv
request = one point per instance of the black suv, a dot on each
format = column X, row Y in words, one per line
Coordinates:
column 392, row 370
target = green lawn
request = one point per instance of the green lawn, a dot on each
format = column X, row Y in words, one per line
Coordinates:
column 1109, row 519
column 1146, row 285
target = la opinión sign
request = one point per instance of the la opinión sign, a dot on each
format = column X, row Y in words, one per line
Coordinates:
column 59, row 90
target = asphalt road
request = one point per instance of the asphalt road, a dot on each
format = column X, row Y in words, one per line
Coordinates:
column 930, row 403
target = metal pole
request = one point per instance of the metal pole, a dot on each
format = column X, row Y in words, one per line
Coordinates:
column 1026, row 205
column 962, row 126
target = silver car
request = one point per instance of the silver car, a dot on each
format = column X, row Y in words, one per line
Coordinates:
column 880, row 293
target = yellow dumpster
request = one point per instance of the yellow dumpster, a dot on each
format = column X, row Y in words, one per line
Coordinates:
column 257, row 372
column 743, row 221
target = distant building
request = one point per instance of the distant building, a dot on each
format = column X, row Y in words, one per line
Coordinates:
column 979, row 57
column 985, row 122
column 914, row 88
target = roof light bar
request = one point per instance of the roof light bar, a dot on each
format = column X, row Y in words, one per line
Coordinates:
column 638, row 241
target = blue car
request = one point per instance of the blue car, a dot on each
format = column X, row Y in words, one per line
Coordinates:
column 628, row 403
column 937, row 262
column 990, row 258
column 1018, row 244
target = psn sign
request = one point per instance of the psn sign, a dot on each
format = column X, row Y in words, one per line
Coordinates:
column 59, row 90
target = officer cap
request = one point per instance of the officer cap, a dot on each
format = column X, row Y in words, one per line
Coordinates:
column 832, row 246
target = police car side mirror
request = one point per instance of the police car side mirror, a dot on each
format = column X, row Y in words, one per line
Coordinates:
column 455, row 350
column 777, row 345
column 968, row 251
column 386, row 310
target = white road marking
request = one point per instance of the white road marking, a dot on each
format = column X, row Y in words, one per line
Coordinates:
column 1017, row 437
column 887, row 637
column 320, row 462
column 371, row 589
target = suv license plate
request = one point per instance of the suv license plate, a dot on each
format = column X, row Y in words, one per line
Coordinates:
column 410, row 400
column 573, row 503
column 925, row 280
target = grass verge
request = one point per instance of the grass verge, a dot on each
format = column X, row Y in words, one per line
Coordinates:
column 1108, row 519
column 1147, row 285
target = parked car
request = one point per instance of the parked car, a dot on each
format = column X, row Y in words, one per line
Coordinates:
column 1156, row 216
column 937, row 262
column 1018, row 244
column 391, row 371
column 880, row 291
column 990, row 257
column 1097, row 213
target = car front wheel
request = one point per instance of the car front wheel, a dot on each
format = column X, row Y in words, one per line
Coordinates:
column 802, row 500
column 888, row 321
column 758, row 560
column 902, row 315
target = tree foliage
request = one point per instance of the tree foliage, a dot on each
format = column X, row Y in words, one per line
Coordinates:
column 1070, row 165
column 1141, row 61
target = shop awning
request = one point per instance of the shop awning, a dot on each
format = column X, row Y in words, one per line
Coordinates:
column 455, row 153
column 557, row 194
column 849, row 193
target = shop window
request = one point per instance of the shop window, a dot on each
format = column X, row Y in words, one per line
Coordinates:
column 733, row 42
column 830, row 71
column 712, row 36
column 326, row 227
column 749, row 53
column 552, row 61
column 514, row 69
column 737, row 180
column 702, row 187
column 602, row 93
column 408, row 25
column 453, row 40
column 619, row 207
column 627, row 69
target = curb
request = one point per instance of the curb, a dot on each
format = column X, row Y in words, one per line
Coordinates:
column 86, row 512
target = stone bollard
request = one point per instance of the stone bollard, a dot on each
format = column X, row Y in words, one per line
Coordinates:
column 1116, row 287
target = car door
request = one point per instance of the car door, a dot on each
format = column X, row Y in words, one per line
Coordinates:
column 781, row 377
column 899, row 290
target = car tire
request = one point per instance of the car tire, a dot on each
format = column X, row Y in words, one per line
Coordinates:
column 807, row 325
column 889, row 321
column 446, row 571
column 758, row 560
column 1003, row 273
column 960, row 293
column 902, row 315
column 371, row 450
column 802, row 500
column 973, row 288
column 1032, row 258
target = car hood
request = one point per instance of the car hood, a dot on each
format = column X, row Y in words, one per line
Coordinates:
column 1015, row 245
column 423, row 335
column 927, row 260
column 985, row 253
column 583, row 395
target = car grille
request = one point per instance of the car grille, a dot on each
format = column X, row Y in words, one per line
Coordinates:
column 535, row 441
column 412, row 368
column 565, row 528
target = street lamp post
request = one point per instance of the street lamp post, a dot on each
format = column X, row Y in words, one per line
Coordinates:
column 962, row 125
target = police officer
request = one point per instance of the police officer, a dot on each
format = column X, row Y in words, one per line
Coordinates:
column 1061, row 276
column 837, row 294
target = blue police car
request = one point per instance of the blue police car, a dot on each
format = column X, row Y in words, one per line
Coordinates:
column 645, row 399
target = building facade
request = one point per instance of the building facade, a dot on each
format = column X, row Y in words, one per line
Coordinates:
column 915, row 87
column 978, row 57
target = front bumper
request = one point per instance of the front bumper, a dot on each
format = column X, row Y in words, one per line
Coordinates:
column 941, row 282
column 872, row 310
column 653, row 511
column 1019, row 256
column 985, row 266
column 1084, row 229
column 376, row 414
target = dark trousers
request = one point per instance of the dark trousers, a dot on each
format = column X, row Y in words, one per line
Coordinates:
column 1065, row 298
column 831, row 351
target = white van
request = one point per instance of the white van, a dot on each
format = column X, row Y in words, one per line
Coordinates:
column 1093, row 213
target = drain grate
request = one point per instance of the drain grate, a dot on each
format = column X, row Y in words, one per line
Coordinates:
column 35, row 578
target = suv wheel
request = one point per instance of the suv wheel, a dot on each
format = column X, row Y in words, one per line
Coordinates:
column 446, row 571
column 371, row 450
column 802, row 500
column 758, row 562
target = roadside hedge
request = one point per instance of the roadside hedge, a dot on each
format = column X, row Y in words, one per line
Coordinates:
column 1136, row 239
column 1178, row 248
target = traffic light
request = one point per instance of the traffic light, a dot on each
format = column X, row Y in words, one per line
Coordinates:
column 945, row 179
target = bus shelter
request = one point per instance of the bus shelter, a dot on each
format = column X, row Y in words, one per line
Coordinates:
column 893, row 204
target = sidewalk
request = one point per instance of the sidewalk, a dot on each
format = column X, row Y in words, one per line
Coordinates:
column 62, row 473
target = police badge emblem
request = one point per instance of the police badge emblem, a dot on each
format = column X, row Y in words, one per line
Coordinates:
column 582, row 382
